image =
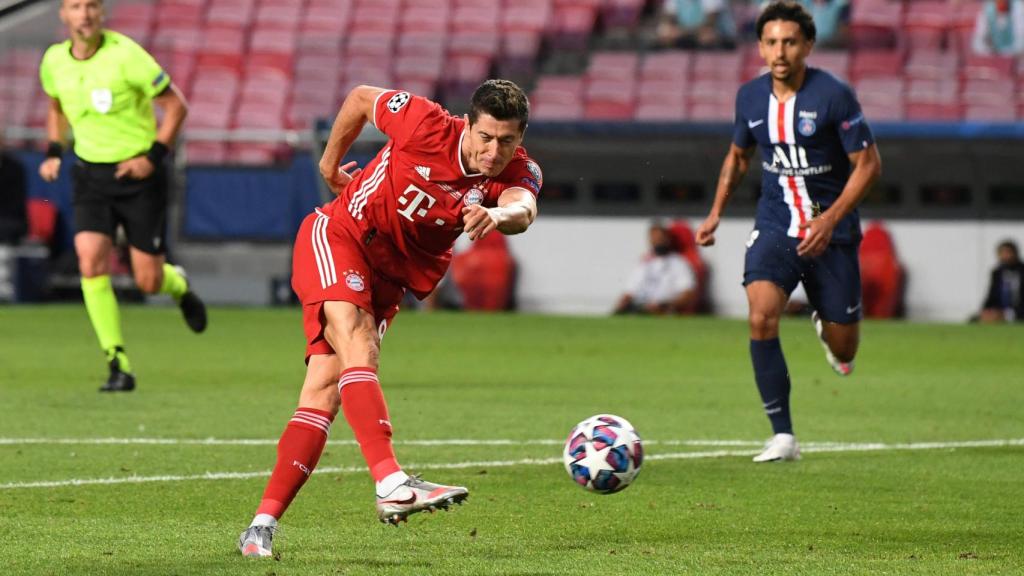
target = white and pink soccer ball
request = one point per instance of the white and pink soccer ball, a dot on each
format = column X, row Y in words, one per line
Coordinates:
column 603, row 454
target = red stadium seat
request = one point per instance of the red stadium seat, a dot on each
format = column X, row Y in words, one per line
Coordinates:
column 476, row 19
column 426, row 20
column 553, row 110
column 978, row 67
column 877, row 64
column 285, row 15
column 472, row 43
column 236, row 13
column 712, row 111
column 273, row 41
column 669, row 65
column 622, row 14
column 132, row 13
column 835, row 62
column 416, row 67
column 178, row 14
column 572, row 27
column 932, row 65
column 527, row 16
column 663, row 110
column 874, row 24
column 614, row 66
column 989, row 93
column 375, row 17
column 422, row 44
column 370, row 43
column 718, row 65
column 325, row 18
column 926, row 23
column 200, row 153
column 713, row 91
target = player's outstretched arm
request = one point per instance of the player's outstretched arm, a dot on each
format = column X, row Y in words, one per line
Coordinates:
column 734, row 169
column 355, row 112
column 56, row 128
column 867, row 168
column 516, row 210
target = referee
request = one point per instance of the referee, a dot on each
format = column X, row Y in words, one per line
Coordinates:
column 103, row 84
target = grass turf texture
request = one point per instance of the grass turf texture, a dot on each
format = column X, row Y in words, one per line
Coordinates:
column 488, row 377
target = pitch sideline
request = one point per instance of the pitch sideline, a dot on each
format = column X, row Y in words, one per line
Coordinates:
column 809, row 448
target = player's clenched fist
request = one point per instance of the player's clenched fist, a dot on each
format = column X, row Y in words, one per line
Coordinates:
column 340, row 177
column 706, row 232
column 479, row 221
column 49, row 169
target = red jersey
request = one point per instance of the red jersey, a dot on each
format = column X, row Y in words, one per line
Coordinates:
column 406, row 205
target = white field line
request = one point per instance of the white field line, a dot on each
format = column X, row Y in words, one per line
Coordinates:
column 273, row 442
column 824, row 447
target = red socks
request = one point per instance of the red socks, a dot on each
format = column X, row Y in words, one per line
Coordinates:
column 298, row 451
column 366, row 412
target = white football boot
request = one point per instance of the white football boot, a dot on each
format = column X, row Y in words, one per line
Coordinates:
column 415, row 495
column 780, row 447
column 841, row 368
column 256, row 541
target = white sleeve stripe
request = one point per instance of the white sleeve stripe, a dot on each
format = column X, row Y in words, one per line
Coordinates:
column 376, row 102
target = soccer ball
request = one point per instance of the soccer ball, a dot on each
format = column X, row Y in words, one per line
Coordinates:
column 603, row 454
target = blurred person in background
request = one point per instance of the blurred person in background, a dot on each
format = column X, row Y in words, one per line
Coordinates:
column 663, row 283
column 1005, row 299
column 13, row 211
column 104, row 85
column 696, row 24
column 390, row 230
column 999, row 28
column 819, row 161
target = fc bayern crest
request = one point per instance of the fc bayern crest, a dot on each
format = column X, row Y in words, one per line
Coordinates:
column 398, row 101
column 474, row 196
column 807, row 127
column 354, row 280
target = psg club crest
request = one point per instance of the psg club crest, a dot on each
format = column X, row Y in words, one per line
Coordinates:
column 807, row 127
column 398, row 101
column 474, row 196
column 354, row 280
column 102, row 100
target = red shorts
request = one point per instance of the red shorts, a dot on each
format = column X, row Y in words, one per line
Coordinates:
column 328, row 264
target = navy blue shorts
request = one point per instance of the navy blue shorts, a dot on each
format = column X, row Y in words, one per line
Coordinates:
column 832, row 280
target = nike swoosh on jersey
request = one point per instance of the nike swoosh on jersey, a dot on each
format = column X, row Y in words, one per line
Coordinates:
column 852, row 309
column 754, row 123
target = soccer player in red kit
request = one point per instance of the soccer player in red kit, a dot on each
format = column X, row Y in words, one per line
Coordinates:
column 390, row 229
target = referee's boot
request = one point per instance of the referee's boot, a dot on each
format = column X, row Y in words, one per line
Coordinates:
column 119, row 380
column 192, row 307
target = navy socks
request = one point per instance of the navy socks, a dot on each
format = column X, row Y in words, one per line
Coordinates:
column 772, row 382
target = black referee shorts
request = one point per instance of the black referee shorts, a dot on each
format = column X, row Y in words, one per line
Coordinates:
column 101, row 202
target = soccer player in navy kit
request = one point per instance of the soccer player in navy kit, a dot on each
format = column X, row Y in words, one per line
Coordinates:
column 819, row 161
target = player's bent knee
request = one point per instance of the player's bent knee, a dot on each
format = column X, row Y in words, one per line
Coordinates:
column 148, row 283
column 763, row 326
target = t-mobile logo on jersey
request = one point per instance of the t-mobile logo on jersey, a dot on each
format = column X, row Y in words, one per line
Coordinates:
column 413, row 206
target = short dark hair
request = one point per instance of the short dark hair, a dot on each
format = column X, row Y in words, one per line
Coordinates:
column 790, row 12
column 502, row 99
column 1011, row 246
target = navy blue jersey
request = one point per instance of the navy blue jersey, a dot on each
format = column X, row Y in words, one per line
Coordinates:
column 805, row 143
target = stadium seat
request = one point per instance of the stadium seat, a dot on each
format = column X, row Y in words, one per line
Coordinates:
column 712, row 111
column 236, row 13
column 874, row 24
column 834, row 61
column 989, row 93
column 613, row 66
column 553, row 110
column 426, row 67
column 932, row 65
column 476, row 19
column 882, row 99
column 527, row 16
column 718, row 65
column 622, row 14
column 926, row 23
column 417, row 43
column 474, row 44
column 376, row 44
column 282, row 16
column 326, row 19
column 273, row 41
column 877, row 64
column 376, row 17
column 426, row 20
column 205, row 153
column 572, row 27
column 977, row 67
column 669, row 65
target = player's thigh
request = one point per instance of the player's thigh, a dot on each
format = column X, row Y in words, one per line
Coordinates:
column 771, row 256
column 833, row 284
column 328, row 265
column 352, row 333
column 141, row 207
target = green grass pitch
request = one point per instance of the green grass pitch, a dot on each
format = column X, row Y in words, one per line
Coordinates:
column 933, row 507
